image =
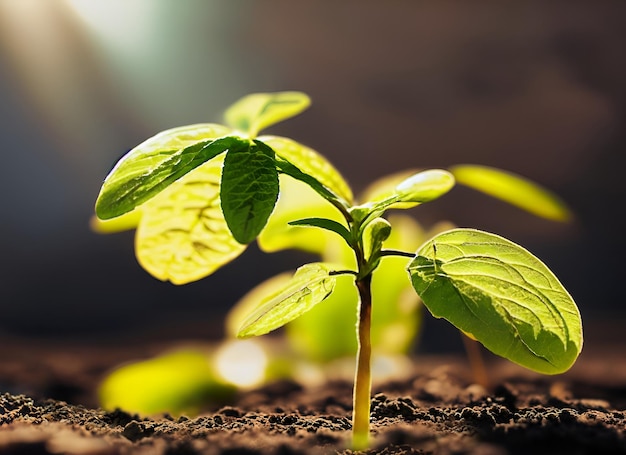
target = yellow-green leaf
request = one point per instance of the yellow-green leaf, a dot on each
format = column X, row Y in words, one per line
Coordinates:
column 513, row 189
column 310, row 162
column 182, row 235
column 310, row 285
column 257, row 111
column 177, row 382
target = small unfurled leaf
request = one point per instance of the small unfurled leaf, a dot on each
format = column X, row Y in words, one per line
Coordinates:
column 249, row 190
column 513, row 189
column 156, row 163
column 501, row 295
column 425, row 186
column 310, row 285
column 324, row 223
column 422, row 187
column 384, row 187
column 311, row 163
column 374, row 234
column 257, row 111
column 182, row 235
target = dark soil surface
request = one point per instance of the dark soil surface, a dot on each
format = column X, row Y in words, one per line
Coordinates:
column 49, row 408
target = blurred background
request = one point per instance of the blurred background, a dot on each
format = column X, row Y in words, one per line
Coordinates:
column 538, row 88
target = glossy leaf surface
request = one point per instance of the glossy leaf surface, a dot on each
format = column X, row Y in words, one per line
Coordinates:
column 156, row 163
column 257, row 111
column 310, row 285
column 501, row 295
column 513, row 189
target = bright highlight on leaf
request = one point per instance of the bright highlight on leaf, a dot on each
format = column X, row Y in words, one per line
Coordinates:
column 310, row 285
column 513, row 189
column 257, row 111
column 501, row 295
column 422, row 187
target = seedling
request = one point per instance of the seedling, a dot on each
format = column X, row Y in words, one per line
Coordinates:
column 200, row 193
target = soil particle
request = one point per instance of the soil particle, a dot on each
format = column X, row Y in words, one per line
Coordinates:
column 435, row 410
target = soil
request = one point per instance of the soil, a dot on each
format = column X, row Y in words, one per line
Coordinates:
column 48, row 407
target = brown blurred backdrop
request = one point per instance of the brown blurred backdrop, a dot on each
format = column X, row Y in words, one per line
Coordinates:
column 535, row 87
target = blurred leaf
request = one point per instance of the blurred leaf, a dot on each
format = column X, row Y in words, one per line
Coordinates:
column 310, row 285
column 156, row 163
column 182, row 235
column 501, row 295
column 125, row 222
column 513, row 189
column 257, row 111
column 249, row 190
column 179, row 382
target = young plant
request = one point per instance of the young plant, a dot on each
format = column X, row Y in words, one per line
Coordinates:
column 199, row 194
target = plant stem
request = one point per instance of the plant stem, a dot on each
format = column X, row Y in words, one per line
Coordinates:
column 363, row 376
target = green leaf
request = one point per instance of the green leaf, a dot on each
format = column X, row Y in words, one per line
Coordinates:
column 182, row 235
column 152, row 166
column 324, row 223
column 249, row 190
column 257, row 111
column 501, row 295
column 310, row 285
column 513, row 189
